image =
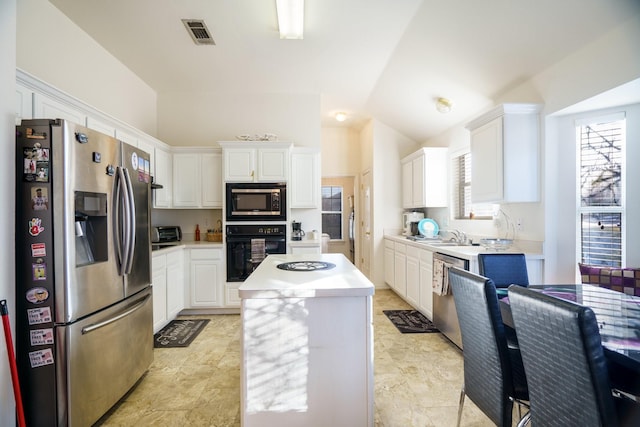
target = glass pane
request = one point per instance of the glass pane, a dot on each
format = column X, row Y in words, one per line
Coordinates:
column 332, row 225
column 602, row 239
column 601, row 163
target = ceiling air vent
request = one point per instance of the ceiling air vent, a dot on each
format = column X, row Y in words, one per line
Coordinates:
column 198, row 31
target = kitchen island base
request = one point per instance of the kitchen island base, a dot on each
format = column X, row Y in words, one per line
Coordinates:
column 307, row 358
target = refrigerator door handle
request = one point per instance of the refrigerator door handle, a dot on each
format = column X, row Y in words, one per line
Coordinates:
column 117, row 226
column 95, row 326
column 123, row 221
column 130, row 211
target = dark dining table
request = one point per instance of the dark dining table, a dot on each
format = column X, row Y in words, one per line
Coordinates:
column 618, row 316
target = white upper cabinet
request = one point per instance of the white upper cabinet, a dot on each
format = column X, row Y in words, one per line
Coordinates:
column 212, row 180
column 24, row 102
column 255, row 162
column 505, row 157
column 100, row 126
column 163, row 197
column 48, row 108
column 424, row 178
column 186, row 180
column 196, row 179
column 304, row 186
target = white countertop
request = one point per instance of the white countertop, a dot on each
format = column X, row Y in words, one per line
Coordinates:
column 465, row 251
column 304, row 243
column 185, row 244
column 268, row 281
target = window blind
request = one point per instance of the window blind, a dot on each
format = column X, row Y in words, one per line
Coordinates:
column 600, row 190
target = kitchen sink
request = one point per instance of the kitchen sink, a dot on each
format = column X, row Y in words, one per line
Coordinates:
column 444, row 243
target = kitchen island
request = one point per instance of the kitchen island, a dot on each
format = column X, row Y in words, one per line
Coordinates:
column 307, row 343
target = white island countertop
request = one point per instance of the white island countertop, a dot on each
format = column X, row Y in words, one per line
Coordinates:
column 343, row 280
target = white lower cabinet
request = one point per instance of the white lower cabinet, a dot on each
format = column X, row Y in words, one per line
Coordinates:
column 206, row 282
column 175, row 283
column 425, row 304
column 232, row 295
column 408, row 270
column 167, row 278
column 413, row 276
column 389, row 253
column 400, row 269
column 159, row 286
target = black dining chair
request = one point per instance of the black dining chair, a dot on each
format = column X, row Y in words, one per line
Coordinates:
column 564, row 361
column 490, row 379
column 504, row 269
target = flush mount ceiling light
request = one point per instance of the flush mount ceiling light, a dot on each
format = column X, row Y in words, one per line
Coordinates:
column 290, row 18
column 341, row 117
column 443, row 105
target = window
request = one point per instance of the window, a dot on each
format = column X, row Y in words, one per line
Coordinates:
column 462, row 206
column 332, row 211
column 600, row 189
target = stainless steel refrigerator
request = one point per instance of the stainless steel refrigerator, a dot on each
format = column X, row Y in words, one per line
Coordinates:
column 84, row 328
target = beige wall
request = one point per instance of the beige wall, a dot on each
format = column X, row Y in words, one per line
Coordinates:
column 203, row 118
column 55, row 50
column 340, row 152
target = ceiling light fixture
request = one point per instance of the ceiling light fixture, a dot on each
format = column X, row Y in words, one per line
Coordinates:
column 341, row 117
column 443, row 105
column 290, row 18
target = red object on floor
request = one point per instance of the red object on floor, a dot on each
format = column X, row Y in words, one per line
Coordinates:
column 12, row 362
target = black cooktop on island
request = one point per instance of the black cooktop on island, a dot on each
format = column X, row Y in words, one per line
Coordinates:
column 305, row 266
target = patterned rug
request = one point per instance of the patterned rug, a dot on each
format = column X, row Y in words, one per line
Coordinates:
column 179, row 333
column 410, row 321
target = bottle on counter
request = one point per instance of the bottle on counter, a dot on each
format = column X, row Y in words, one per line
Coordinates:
column 197, row 232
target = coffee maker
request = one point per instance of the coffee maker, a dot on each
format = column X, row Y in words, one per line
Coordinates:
column 407, row 219
column 297, row 232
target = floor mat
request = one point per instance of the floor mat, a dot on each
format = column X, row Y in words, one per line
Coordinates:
column 179, row 333
column 410, row 321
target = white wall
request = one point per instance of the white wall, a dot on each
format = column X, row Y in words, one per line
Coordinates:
column 203, row 118
column 57, row 51
column 389, row 147
column 7, row 194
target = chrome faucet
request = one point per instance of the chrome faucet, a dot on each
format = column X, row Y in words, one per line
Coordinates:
column 458, row 236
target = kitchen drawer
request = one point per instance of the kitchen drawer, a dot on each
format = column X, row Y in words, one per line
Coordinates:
column 158, row 262
column 388, row 243
column 206, row 254
column 174, row 258
column 401, row 248
column 412, row 251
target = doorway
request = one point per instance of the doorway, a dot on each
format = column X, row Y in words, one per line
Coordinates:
column 338, row 214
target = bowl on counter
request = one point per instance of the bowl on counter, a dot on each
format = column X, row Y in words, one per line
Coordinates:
column 496, row 244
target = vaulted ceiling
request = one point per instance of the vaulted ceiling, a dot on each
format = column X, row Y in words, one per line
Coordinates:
column 388, row 59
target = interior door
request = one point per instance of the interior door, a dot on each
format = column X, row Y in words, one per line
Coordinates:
column 365, row 224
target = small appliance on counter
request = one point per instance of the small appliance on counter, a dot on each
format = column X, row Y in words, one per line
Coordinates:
column 297, row 232
column 407, row 219
column 164, row 236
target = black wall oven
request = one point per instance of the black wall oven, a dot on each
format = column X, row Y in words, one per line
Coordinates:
column 256, row 201
column 247, row 246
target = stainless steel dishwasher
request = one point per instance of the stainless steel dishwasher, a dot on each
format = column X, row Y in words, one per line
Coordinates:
column 445, row 316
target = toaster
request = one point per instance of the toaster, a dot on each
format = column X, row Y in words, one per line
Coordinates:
column 165, row 234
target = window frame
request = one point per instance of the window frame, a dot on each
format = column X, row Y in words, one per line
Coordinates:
column 485, row 211
column 340, row 213
column 600, row 209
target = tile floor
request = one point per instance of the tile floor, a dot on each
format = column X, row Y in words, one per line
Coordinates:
column 417, row 379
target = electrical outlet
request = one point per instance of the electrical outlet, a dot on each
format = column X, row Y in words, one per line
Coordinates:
column 519, row 224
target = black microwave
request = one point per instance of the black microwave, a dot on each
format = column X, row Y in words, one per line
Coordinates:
column 256, row 201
